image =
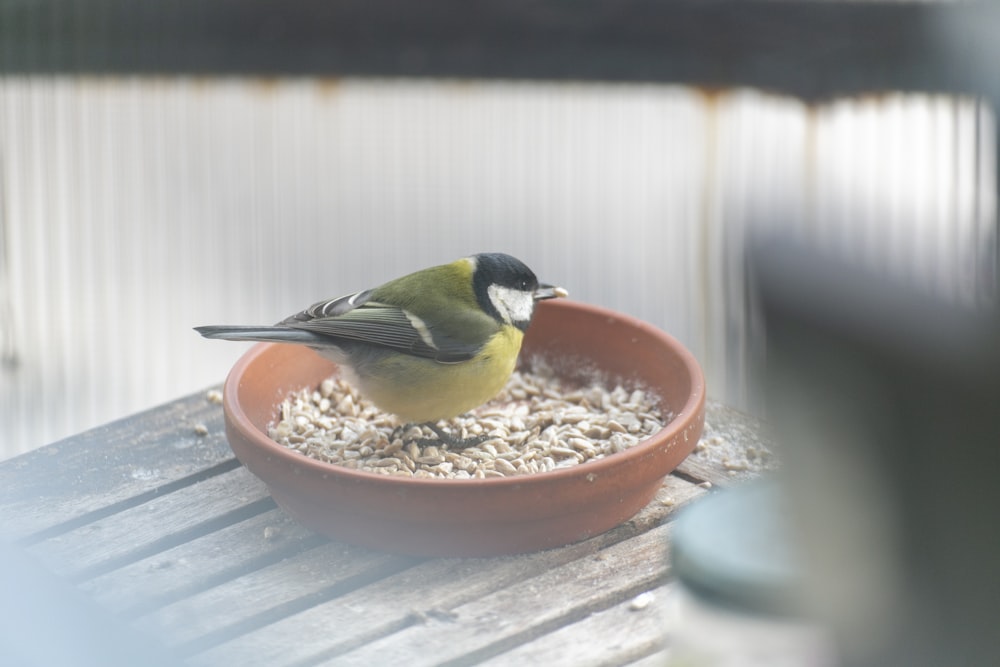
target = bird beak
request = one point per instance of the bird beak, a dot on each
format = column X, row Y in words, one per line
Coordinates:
column 549, row 292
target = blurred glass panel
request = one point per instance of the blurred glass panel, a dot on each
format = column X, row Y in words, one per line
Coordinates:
column 136, row 208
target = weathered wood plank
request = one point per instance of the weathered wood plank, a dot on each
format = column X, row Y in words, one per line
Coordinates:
column 266, row 594
column 121, row 462
column 616, row 636
column 163, row 544
column 493, row 623
column 428, row 590
column 158, row 524
column 204, row 562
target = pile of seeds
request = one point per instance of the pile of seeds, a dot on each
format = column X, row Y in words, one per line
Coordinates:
column 538, row 423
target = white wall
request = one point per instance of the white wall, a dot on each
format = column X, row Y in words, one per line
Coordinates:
column 135, row 209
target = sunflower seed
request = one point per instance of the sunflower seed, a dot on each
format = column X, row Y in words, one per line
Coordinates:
column 540, row 422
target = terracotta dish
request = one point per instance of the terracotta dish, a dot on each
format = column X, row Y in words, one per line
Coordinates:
column 477, row 517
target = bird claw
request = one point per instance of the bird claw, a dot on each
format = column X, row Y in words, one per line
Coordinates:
column 443, row 437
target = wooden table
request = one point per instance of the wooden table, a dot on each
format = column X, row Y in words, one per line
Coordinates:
column 181, row 548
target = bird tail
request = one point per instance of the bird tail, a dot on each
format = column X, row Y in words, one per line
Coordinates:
column 262, row 333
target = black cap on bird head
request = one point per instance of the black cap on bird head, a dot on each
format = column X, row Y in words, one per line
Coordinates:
column 507, row 289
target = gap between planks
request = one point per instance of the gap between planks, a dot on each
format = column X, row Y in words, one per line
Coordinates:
column 619, row 635
column 128, row 503
column 87, row 473
column 202, row 563
column 523, row 611
column 429, row 590
column 162, row 522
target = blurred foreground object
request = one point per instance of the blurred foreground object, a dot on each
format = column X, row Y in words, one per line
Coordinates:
column 737, row 603
column 885, row 405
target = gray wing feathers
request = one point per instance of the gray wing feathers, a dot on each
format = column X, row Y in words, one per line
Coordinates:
column 386, row 326
column 277, row 334
column 330, row 307
column 353, row 318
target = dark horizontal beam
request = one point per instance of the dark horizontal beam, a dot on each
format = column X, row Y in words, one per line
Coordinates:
column 812, row 49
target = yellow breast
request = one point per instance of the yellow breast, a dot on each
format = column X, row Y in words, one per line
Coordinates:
column 422, row 390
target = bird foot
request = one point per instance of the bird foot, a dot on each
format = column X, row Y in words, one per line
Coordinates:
column 443, row 437
column 454, row 442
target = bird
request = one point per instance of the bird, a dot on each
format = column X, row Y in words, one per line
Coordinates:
column 427, row 346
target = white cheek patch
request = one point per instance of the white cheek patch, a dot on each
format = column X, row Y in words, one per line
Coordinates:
column 512, row 304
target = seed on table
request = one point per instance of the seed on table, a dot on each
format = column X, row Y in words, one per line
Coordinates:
column 641, row 601
column 651, row 425
column 564, row 452
column 616, row 427
column 411, row 434
column 618, row 442
column 346, row 406
column 505, row 467
column 412, row 449
column 553, row 426
column 583, row 446
column 392, row 448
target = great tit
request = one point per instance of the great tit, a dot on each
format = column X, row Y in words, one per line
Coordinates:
column 427, row 346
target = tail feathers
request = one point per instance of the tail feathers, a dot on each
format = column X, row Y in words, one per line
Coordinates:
column 262, row 334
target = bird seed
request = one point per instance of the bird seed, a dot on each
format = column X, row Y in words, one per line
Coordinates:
column 538, row 423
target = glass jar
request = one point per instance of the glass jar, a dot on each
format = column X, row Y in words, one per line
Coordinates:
column 736, row 600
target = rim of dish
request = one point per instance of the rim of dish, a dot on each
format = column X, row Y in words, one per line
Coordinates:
column 682, row 419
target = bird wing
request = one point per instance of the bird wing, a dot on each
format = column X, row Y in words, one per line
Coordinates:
column 357, row 318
